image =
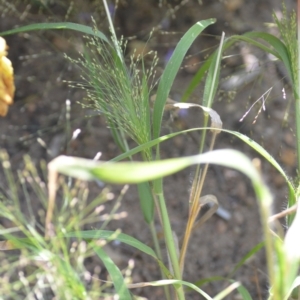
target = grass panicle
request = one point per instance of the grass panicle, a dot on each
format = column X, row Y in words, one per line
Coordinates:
column 118, row 92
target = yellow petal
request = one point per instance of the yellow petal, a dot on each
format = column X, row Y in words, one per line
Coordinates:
column 3, row 109
column 7, row 86
column 3, row 47
column 7, row 78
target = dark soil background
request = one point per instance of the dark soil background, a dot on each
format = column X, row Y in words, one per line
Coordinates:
column 38, row 116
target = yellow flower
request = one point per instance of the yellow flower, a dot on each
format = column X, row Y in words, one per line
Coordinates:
column 7, row 86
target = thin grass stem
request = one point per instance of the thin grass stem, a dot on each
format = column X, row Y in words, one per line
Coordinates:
column 195, row 208
column 112, row 29
column 159, row 254
column 170, row 244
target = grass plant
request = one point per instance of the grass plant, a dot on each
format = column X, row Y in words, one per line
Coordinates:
column 122, row 95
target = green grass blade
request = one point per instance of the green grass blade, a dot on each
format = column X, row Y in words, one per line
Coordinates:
column 202, row 71
column 174, row 282
column 137, row 172
column 171, row 70
column 212, row 79
column 124, row 238
column 119, row 173
column 254, row 145
column 58, row 26
column 254, row 250
column 146, row 200
column 227, row 291
column 154, row 143
column 208, row 280
column 291, row 248
column 241, row 289
column 244, row 293
column 112, row 235
column 196, row 79
column 271, row 160
column 278, row 48
column 295, row 290
column 89, row 176
column 115, row 274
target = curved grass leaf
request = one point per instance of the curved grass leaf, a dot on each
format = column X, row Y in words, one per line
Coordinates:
column 292, row 251
column 259, row 149
column 174, row 282
column 115, row 274
column 241, row 289
column 136, row 172
column 244, row 293
column 295, row 290
column 208, row 280
column 227, row 291
column 254, row 145
column 112, row 235
column 278, row 49
column 58, row 26
column 171, row 70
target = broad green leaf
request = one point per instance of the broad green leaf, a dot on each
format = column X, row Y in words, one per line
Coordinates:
column 115, row 274
column 171, row 70
column 57, row 26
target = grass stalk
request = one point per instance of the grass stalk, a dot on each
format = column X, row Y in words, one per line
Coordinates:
column 112, row 29
column 171, row 247
column 195, row 206
column 159, row 254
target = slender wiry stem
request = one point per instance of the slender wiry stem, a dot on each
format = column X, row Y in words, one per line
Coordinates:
column 195, row 207
column 112, row 29
column 170, row 244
